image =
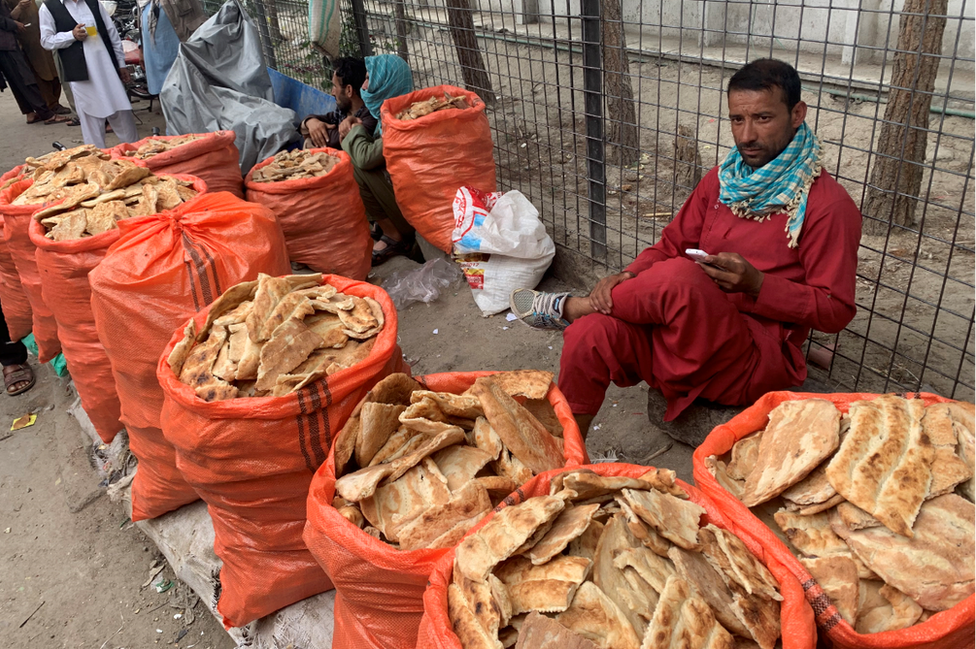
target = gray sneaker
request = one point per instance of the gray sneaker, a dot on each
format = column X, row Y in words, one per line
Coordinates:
column 537, row 309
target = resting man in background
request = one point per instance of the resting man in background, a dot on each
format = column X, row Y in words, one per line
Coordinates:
column 94, row 66
column 781, row 237
column 347, row 83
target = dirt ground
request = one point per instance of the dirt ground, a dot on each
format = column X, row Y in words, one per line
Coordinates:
column 75, row 573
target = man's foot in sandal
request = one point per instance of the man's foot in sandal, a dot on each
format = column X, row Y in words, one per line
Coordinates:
column 18, row 379
column 375, row 231
column 56, row 119
column 391, row 248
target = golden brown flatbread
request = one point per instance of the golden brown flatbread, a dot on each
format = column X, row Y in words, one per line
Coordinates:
column 570, row 523
column 730, row 556
column 181, row 350
column 883, row 608
column 453, row 405
column 745, row 452
column 546, row 588
column 837, row 576
column 674, row 519
column 466, row 626
column 884, row 465
column 609, row 578
column 588, row 484
column 392, row 506
column 856, row 518
column 641, row 530
column 595, row 617
column 800, row 435
column 948, row 468
column 377, row 422
column 525, row 437
column 585, row 544
column 813, row 489
column 460, row 463
column 683, row 619
column 532, row 384
column 539, row 632
column 288, row 348
column 697, row 571
column 468, row 503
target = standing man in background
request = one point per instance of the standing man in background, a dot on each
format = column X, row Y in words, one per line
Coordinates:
column 15, row 69
column 40, row 60
column 94, row 66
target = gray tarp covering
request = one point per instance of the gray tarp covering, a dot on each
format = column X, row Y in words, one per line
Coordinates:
column 219, row 82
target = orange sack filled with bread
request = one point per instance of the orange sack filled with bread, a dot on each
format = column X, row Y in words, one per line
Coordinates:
column 164, row 269
column 252, row 458
column 431, row 156
column 214, row 157
column 867, row 499
column 322, row 217
column 378, row 541
column 616, row 555
column 16, row 306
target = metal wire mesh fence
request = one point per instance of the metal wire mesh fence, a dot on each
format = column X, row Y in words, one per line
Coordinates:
column 605, row 114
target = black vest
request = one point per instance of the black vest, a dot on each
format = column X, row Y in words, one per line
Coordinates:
column 73, row 57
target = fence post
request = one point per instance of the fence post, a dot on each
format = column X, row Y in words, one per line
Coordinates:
column 593, row 107
column 362, row 28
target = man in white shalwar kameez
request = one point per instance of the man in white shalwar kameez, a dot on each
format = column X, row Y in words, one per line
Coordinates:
column 95, row 72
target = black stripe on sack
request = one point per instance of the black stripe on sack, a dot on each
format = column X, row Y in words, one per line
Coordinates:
column 830, row 623
column 314, row 432
column 213, row 269
column 820, row 604
column 201, row 268
column 325, row 415
column 193, row 286
column 301, row 432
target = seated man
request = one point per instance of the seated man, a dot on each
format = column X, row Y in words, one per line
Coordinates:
column 781, row 237
column 347, row 82
column 387, row 76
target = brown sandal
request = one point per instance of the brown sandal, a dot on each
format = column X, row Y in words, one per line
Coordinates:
column 18, row 374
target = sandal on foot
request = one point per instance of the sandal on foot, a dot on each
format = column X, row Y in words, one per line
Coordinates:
column 375, row 231
column 74, row 121
column 18, row 374
column 537, row 309
column 392, row 249
column 56, row 119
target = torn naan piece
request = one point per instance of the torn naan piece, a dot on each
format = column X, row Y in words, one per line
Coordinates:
column 588, row 484
column 720, row 472
column 594, row 616
column 452, row 405
column 856, row 518
column 546, row 588
column 965, row 427
column 813, row 536
column 230, row 300
column 501, row 536
column 377, row 311
column 359, row 318
column 460, row 464
column 178, row 356
column 730, row 556
column 883, row 608
column 291, row 307
column 329, row 327
column 522, row 434
column 683, row 619
column 641, row 531
column 468, row 503
column 378, row 421
column 404, row 440
column 884, row 465
column 196, row 370
column 288, row 348
column 465, row 624
column 543, row 410
column 837, row 576
column 585, row 544
column 674, row 519
column 482, row 603
column 697, row 571
column 664, row 481
column 948, row 468
column 267, row 294
column 609, row 578
column 511, row 467
column 531, row 384
column 395, row 504
column 800, row 435
column 539, row 632
column 487, row 439
column 570, row 523
column 936, row 566
column 812, row 490
column 745, row 452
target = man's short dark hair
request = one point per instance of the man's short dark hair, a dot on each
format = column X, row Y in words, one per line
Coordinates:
column 766, row 74
column 351, row 72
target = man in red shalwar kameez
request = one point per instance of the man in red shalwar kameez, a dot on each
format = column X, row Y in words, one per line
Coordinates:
column 781, row 236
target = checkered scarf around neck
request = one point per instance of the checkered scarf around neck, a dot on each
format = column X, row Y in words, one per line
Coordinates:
column 389, row 77
column 781, row 185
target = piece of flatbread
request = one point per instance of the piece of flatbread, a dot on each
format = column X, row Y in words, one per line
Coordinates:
column 525, row 437
column 697, row 571
column 856, row 518
column 730, row 556
column 546, row 588
column 460, row 464
column 377, row 422
column 482, row 603
column 610, row 578
column 539, row 632
column 745, row 452
column 532, row 384
column 594, row 616
column 963, row 423
column 570, row 523
column 813, row 536
column 683, row 619
column 392, row 506
column 504, row 534
column 588, row 484
column 453, row 405
column 837, row 576
column 486, row 439
column 198, row 366
column 883, row 608
column 674, row 519
column 812, row 490
column 948, row 468
column 884, row 465
column 936, row 566
column 465, row 624
column 720, row 471
column 585, row 544
column 641, row 531
column 288, row 348
column 467, row 503
column 799, row 436
column 181, row 350
column 293, row 306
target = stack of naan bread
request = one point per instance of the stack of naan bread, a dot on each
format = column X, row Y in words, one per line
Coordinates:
column 273, row 336
column 617, row 563
column 877, row 503
column 417, row 469
column 150, row 148
column 95, row 192
column 292, row 165
column 432, row 105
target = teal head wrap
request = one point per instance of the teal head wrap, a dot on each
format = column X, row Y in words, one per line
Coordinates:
column 389, row 76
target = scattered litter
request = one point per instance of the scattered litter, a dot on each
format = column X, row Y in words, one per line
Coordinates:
column 163, row 586
column 179, row 636
column 550, row 346
column 596, row 427
column 614, row 405
column 610, row 455
column 159, row 630
column 511, row 317
column 7, row 531
column 423, row 284
column 177, row 616
column 23, row 422
column 660, row 451
column 153, row 571
column 504, row 328
column 435, row 332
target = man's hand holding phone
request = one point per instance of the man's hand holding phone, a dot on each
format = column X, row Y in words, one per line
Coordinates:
column 729, row 270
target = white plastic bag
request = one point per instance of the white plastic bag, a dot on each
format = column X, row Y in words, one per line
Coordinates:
column 500, row 243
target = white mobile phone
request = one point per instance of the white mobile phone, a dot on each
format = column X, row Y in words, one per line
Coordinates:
column 695, row 253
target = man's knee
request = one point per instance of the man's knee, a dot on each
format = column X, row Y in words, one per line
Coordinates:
column 590, row 337
column 677, row 276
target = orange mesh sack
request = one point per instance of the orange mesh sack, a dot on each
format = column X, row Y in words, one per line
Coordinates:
column 379, row 588
column 252, row 459
column 64, row 268
column 796, row 617
column 430, row 157
column 164, row 269
column 323, row 218
column 16, row 306
column 16, row 223
column 212, row 157
column 948, row 629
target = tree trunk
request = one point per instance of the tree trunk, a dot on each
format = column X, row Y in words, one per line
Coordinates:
column 469, row 55
column 622, row 137
column 401, row 30
column 896, row 178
